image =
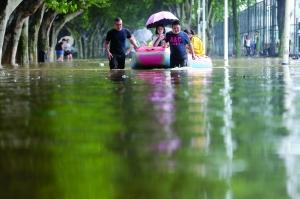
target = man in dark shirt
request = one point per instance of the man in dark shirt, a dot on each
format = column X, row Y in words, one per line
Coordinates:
column 115, row 44
column 178, row 41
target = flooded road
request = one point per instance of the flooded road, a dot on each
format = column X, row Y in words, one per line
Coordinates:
column 78, row 130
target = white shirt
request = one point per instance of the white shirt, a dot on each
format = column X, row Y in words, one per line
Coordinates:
column 67, row 46
column 248, row 42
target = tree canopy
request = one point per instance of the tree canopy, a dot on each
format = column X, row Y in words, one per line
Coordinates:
column 67, row 6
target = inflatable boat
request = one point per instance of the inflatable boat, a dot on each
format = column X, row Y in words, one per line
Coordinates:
column 199, row 62
column 159, row 57
column 151, row 57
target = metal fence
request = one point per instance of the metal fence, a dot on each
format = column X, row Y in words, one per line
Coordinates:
column 260, row 23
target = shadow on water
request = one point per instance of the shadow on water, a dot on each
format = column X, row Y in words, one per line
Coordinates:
column 82, row 131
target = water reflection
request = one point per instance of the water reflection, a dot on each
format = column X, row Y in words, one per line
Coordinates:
column 15, row 106
column 67, row 131
column 117, row 75
column 227, row 170
column 290, row 149
column 162, row 96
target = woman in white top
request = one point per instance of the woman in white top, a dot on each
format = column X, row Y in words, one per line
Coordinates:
column 159, row 37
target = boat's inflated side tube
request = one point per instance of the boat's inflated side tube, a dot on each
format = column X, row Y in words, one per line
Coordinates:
column 151, row 57
column 159, row 57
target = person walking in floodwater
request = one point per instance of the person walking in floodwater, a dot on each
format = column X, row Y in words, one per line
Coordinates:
column 115, row 44
column 178, row 41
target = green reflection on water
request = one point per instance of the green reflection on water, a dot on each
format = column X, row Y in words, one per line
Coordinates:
column 75, row 133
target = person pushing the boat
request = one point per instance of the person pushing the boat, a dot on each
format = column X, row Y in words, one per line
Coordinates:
column 115, row 44
column 178, row 41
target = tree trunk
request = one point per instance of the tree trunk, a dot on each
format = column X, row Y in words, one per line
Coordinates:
column 34, row 27
column 101, row 41
column 188, row 13
column 80, row 48
column 88, row 48
column 91, row 44
column 236, row 26
column 57, row 26
column 13, row 31
column 209, row 28
column 44, row 35
column 15, row 42
column 97, row 44
column 85, row 46
column 6, row 8
column 280, row 22
column 24, row 42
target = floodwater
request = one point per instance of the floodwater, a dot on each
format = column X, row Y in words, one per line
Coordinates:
column 77, row 130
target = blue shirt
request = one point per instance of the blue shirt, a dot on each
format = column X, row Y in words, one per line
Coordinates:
column 117, row 40
column 178, row 44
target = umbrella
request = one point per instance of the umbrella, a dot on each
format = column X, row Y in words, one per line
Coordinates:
column 142, row 35
column 161, row 18
column 70, row 38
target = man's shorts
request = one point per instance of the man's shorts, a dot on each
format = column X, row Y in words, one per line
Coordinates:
column 117, row 61
column 174, row 62
column 59, row 53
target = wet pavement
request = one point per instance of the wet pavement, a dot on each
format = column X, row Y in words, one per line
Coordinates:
column 78, row 130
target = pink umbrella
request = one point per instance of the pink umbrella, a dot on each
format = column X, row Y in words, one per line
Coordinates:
column 161, row 18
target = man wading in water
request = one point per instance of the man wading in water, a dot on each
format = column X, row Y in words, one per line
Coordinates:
column 178, row 41
column 115, row 44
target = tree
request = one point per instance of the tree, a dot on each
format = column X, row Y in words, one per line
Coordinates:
column 215, row 14
column 60, row 12
column 280, row 22
column 184, row 10
column 235, row 7
column 34, row 27
column 236, row 26
column 91, row 27
column 23, row 46
column 14, row 29
column 6, row 8
column 44, row 34
column 57, row 25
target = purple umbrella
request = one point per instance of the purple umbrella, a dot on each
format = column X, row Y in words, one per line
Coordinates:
column 161, row 18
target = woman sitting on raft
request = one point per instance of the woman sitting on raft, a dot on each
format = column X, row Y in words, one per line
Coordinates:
column 159, row 37
column 196, row 43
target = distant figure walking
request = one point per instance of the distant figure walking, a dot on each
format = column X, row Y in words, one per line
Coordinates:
column 115, row 44
column 247, row 45
column 59, row 51
column 68, row 50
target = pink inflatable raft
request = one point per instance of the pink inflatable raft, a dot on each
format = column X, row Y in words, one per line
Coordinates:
column 159, row 57
column 151, row 57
